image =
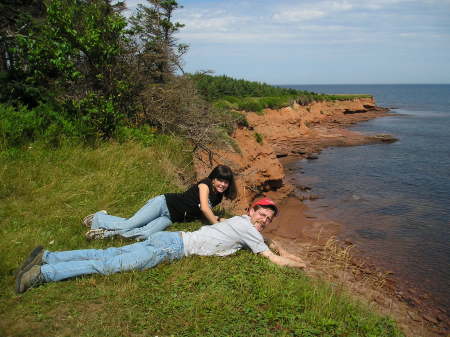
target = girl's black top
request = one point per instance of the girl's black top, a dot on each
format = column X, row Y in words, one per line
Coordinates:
column 185, row 207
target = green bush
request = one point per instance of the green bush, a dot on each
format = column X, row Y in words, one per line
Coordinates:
column 259, row 138
column 225, row 104
column 145, row 135
column 87, row 120
column 95, row 116
column 250, row 104
column 277, row 102
column 19, row 126
column 218, row 87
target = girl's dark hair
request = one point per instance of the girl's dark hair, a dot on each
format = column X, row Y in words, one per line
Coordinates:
column 225, row 173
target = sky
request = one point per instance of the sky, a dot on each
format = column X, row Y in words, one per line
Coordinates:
column 317, row 41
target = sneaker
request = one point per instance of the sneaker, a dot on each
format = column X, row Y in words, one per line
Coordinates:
column 95, row 234
column 87, row 221
column 29, row 279
column 35, row 258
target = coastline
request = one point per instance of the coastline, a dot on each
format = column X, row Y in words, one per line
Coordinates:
column 300, row 132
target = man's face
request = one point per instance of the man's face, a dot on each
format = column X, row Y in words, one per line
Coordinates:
column 261, row 218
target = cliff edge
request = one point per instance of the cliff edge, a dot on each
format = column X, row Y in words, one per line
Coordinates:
column 295, row 130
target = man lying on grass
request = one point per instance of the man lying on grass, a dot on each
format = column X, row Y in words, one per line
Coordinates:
column 221, row 239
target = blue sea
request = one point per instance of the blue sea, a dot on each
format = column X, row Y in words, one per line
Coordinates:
column 394, row 199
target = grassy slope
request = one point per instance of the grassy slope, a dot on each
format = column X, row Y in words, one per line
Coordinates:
column 43, row 196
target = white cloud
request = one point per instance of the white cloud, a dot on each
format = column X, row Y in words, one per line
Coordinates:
column 248, row 37
column 211, row 21
column 341, row 5
column 312, row 11
column 298, row 15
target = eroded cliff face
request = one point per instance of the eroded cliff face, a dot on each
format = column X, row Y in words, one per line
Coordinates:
column 295, row 121
column 257, row 167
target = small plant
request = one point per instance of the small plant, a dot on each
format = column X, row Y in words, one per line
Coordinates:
column 250, row 104
column 259, row 138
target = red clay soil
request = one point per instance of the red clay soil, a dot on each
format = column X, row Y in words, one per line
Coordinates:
column 302, row 132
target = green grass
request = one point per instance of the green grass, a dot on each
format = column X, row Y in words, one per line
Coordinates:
column 255, row 104
column 45, row 193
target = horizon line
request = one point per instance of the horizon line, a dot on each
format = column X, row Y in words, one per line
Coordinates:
column 360, row 83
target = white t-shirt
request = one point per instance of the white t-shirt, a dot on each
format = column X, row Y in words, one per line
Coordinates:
column 224, row 238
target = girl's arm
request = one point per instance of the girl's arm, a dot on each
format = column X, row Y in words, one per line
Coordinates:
column 204, row 204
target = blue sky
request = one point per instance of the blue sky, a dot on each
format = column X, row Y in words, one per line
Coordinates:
column 318, row 41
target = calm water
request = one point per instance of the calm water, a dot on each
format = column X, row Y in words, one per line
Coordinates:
column 394, row 198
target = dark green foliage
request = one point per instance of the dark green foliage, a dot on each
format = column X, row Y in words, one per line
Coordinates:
column 82, row 60
column 73, row 60
column 79, row 69
column 259, row 138
column 18, row 19
column 250, row 104
column 158, row 52
column 144, row 135
column 255, row 96
column 21, row 125
column 217, row 87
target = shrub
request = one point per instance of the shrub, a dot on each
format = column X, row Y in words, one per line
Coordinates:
column 145, row 135
column 259, row 138
column 19, row 126
column 217, row 87
column 177, row 108
column 225, row 104
column 250, row 104
column 95, row 115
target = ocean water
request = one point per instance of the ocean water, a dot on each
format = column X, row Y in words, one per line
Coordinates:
column 393, row 198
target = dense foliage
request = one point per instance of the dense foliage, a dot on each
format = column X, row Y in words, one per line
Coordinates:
column 81, row 68
column 216, row 87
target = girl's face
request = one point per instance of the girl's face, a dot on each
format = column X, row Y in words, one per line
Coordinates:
column 220, row 185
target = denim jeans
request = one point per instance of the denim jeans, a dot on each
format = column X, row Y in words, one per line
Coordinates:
column 157, row 248
column 153, row 217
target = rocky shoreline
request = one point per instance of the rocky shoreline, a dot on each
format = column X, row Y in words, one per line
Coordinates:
column 279, row 136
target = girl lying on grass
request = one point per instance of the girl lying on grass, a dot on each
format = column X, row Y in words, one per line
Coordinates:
column 160, row 212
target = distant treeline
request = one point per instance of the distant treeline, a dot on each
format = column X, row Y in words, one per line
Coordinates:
column 217, row 87
column 238, row 94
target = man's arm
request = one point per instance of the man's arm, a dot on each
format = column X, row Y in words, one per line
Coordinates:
column 283, row 260
column 273, row 245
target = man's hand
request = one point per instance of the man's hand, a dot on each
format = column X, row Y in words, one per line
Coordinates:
column 283, row 252
column 295, row 262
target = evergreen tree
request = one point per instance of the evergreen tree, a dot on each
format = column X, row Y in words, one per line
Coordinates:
column 158, row 51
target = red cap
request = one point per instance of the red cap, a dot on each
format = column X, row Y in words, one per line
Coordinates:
column 266, row 202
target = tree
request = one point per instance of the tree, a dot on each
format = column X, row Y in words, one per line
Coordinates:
column 158, row 51
column 18, row 19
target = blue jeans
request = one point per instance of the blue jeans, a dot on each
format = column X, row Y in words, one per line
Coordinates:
column 153, row 217
column 157, row 248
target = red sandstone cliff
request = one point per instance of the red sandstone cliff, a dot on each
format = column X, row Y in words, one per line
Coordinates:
column 294, row 129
